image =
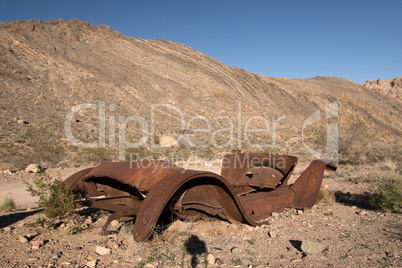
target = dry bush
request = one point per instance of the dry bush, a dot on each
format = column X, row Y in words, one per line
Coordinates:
column 7, row 205
column 386, row 190
column 54, row 196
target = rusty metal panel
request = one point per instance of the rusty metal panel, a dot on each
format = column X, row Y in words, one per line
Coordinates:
column 308, row 185
column 261, row 177
column 235, row 165
column 260, row 205
column 142, row 175
column 171, row 188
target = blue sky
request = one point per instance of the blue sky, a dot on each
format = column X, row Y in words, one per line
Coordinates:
column 356, row 40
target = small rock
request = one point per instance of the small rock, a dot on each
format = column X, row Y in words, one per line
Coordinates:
column 275, row 214
column 33, row 168
column 23, row 239
column 236, row 250
column 55, row 255
column 92, row 264
column 151, row 265
column 92, row 257
column 311, row 247
column 272, row 234
column 362, row 212
column 7, row 229
column 210, row 259
column 112, row 245
column 218, row 261
column 22, row 122
column 295, row 260
column 102, row 250
column 37, row 244
column 290, row 216
column 299, row 211
column 114, row 224
column 88, row 220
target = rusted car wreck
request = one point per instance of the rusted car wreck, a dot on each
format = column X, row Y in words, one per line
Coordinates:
column 250, row 187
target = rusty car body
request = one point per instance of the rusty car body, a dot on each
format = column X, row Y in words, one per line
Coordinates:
column 251, row 186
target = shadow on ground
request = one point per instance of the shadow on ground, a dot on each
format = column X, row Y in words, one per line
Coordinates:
column 351, row 199
column 6, row 220
column 195, row 247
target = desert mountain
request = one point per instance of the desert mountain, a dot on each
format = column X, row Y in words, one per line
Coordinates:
column 47, row 68
column 392, row 87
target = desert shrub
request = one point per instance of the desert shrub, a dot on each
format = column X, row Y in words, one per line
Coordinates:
column 386, row 190
column 72, row 230
column 7, row 205
column 54, row 196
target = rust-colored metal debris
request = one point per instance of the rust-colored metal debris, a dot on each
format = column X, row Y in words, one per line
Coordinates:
column 251, row 186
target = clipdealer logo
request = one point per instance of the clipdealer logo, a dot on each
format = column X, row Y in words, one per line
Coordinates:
column 237, row 130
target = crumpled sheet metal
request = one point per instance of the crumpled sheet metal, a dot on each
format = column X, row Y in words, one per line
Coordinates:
column 249, row 189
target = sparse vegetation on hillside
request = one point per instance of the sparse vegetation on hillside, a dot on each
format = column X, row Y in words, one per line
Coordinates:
column 46, row 143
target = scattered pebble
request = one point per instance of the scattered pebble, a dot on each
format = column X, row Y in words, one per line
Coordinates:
column 88, row 220
column 23, row 239
column 218, row 261
column 295, row 260
column 236, row 250
column 275, row 214
column 7, row 229
column 55, row 255
column 311, row 247
column 102, row 250
column 210, row 259
column 114, row 224
column 272, row 234
column 299, row 211
column 151, row 265
column 92, row 264
column 37, row 244
column 92, row 257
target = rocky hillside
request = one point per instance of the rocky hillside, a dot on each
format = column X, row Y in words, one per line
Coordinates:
column 47, row 68
column 392, row 87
